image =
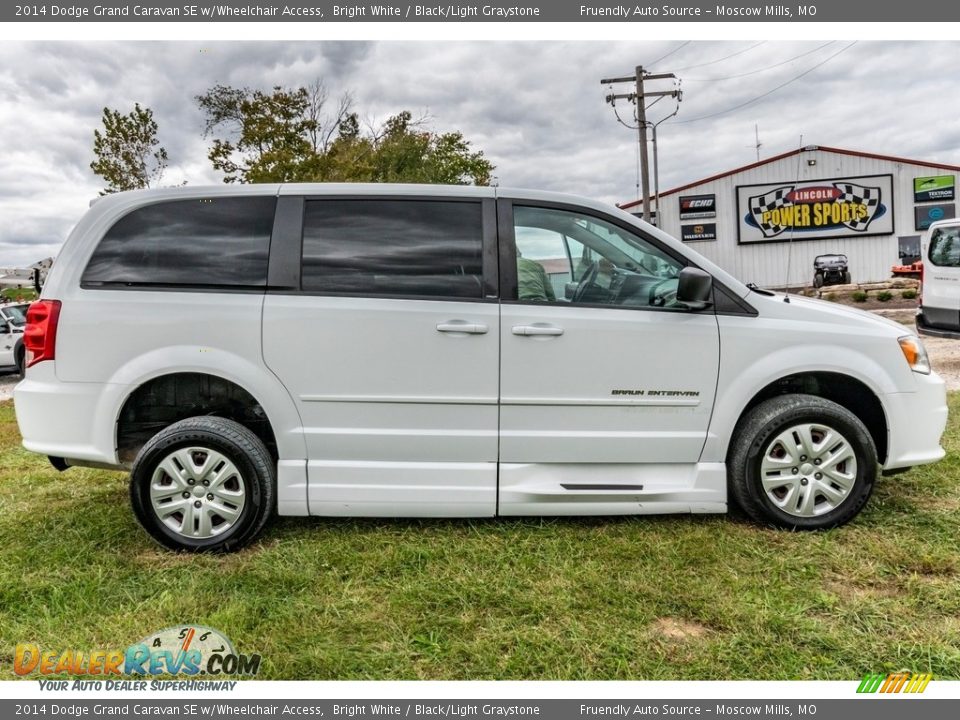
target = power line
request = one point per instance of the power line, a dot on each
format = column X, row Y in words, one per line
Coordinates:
column 721, row 59
column 754, row 72
column 638, row 98
column 769, row 92
column 681, row 46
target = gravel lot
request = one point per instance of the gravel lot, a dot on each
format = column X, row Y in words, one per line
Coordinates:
column 944, row 356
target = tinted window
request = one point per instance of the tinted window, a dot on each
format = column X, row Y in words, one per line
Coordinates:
column 202, row 242
column 417, row 248
column 945, row 247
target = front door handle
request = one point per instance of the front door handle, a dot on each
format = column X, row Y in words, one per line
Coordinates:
column 537, row 329
column 460, row 326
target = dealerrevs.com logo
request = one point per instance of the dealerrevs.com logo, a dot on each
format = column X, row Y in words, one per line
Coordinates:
column 190, row 650
column 899, row 682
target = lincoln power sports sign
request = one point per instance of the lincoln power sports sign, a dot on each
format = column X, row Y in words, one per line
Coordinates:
column 814, row 209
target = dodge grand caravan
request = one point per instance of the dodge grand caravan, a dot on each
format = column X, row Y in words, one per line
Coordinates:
column 449, row 352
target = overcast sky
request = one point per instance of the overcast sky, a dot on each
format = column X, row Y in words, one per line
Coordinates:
column 536, row 109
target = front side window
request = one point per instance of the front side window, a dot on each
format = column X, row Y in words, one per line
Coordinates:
column 568, row 257
column 408, row 248
column 945, row 247
column 205, row 242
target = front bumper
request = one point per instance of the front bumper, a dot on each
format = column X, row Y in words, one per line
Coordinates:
column 925, row 328
column 916, row 421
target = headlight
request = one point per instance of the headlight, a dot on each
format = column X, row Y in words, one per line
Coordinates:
column 915, row 353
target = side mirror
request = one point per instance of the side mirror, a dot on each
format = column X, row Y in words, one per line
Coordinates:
column 695, row 289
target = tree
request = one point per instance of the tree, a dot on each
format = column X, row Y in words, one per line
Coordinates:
column 268, row 137
column 406, row 152
column 128, row 154
column 288, row 135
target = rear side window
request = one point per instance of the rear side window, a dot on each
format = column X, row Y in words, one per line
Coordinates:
column 408, row 248
column 945, row 247
column 208, row 242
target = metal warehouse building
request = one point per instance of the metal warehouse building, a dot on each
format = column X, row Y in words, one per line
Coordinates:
column 811, row 201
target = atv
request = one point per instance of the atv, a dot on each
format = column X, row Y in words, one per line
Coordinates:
column 830, row 270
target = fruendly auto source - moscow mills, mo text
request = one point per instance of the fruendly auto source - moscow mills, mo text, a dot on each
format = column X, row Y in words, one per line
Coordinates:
column 681, row 11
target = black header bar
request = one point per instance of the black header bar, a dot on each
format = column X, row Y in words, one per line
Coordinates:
column 324, row 11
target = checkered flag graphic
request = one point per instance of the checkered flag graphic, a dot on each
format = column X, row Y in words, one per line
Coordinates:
column 760, row 204
column 860, row 195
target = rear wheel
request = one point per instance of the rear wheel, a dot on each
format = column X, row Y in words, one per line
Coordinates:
column 847, row 279
column 21, row 360
column 818, row 280
column 204, row 484
column 802, row 462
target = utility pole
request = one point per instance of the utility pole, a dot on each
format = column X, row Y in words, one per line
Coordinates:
column 638, row 97
column 644, row 162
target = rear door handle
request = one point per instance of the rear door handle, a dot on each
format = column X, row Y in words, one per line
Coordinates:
column 537, row 329
column 461, row 326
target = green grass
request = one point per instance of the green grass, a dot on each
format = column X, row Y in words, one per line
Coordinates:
column 634, row 598
column 18, row 294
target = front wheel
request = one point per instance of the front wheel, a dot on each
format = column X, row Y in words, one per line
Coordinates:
column 204, row 484
column 801, row 462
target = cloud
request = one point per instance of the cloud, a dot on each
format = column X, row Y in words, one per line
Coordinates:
column 536, row 109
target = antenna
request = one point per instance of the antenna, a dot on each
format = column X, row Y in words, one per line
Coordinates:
column 793, row 228
column 756, row 144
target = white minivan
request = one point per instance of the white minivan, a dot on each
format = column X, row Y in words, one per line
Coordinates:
column 938, row 310
column 429, row 351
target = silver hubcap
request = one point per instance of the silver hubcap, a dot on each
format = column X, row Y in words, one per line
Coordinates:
column 197, row 492
column 808, row 470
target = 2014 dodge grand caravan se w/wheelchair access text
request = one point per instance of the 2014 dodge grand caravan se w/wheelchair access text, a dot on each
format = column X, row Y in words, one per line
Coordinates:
column 449, row 352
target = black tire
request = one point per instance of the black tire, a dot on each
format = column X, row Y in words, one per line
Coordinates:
column 257, row 477
column 847, row 279
column 20, row 356
column 753, row 436
column 818, row 280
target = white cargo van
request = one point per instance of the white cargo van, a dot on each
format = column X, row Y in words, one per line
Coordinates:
column 938, row 310
column 352, row 350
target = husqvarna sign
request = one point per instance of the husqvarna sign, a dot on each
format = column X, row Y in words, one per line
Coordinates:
column 809, row 210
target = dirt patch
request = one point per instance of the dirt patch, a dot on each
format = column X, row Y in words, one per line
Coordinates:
column 945, row 358
column 678, row 630
column 849, row 591
column 937, row 504
column 871, row 303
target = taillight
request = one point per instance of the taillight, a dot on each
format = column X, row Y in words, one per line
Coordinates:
column 40, row 334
